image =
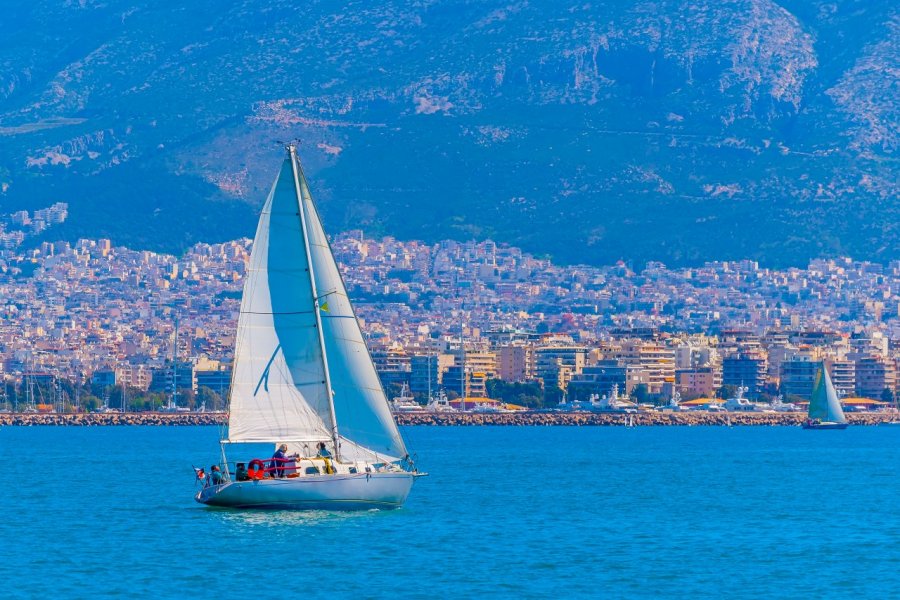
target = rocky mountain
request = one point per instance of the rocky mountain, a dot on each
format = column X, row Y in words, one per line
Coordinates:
column 679, row 131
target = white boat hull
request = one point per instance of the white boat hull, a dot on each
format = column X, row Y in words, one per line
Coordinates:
column 359, row 491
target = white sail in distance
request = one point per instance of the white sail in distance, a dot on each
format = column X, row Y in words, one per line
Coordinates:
column 278, row 388
column 824, row 403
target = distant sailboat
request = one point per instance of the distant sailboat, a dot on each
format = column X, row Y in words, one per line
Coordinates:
column 825, row 410
column 303, row 377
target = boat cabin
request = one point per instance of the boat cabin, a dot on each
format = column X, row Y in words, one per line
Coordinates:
column 302, row 467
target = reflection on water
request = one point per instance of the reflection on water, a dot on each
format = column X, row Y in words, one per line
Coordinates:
column 292, row 518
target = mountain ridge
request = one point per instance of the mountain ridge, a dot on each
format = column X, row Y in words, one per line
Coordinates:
column 678, row 132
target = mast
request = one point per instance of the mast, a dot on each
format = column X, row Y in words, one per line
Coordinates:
column 175, row 368
column 31, row 386
column 462, row 366
column 292, row 151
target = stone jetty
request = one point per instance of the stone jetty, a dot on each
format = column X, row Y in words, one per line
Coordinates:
column 683, row 419
column 119, row 419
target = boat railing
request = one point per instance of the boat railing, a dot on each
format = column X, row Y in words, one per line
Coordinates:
column 287, row 468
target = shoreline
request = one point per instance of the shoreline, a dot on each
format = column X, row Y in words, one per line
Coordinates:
column 674, row 419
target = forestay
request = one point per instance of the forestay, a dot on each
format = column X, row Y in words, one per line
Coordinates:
column 278, row 386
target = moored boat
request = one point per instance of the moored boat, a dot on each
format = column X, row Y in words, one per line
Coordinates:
column 406, row 402
column 439, row 404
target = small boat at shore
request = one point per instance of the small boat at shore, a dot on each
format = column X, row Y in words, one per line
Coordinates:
column 675, row 403
column 406, row 402
column 439, row 404
column 303, row 380
column 825, row 410
column 738, row 403
column 612, row 402
column 779, row 405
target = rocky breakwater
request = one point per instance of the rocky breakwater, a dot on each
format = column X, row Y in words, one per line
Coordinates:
column 120, row 419
column 684, row 419
column 526, row 418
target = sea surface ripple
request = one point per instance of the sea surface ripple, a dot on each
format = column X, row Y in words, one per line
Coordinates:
column 532, row 512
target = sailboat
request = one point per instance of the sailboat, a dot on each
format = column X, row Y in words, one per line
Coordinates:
column 303, row 378
column 825, row 410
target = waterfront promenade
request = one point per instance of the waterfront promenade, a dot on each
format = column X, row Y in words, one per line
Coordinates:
column 684, row 419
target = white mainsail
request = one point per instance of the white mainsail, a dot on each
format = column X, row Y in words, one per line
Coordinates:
column 280, row 381
column 278, row 390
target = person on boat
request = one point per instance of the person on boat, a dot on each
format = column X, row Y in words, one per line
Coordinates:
column 324, row 454
column 276, row 467
column 216, row 476
column 323, row 451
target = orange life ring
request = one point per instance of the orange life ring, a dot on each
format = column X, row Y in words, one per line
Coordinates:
column 256, row 469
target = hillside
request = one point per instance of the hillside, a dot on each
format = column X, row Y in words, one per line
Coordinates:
column 672, row 131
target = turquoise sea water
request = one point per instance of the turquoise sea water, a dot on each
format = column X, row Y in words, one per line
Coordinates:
column 507, row 512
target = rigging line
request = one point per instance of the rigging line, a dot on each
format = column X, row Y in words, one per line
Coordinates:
column 368, row 388
column 305, row 383
column 349, row 340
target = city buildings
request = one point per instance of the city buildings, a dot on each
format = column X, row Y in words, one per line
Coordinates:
column 599, row 379
column 455, row 315
column 745, row 369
